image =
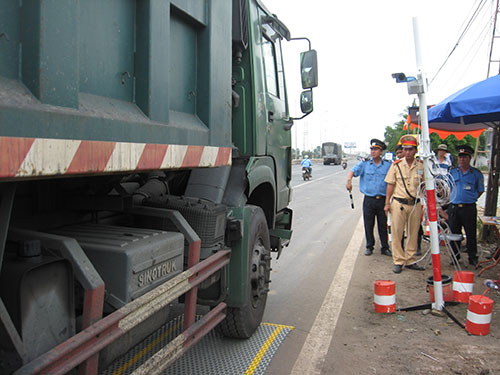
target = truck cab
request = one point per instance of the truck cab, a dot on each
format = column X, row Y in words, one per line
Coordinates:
column 145, row 164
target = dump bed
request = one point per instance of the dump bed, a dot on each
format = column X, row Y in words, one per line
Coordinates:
column 108, row 86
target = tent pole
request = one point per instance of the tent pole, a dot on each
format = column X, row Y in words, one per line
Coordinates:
column 475, row 152
column 429, row 180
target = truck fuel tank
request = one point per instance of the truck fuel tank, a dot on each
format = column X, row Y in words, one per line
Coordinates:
column 131, row 261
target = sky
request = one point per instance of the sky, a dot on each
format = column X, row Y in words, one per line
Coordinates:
column 361, row 43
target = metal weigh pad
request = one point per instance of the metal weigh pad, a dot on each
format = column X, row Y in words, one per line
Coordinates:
column 214, row 354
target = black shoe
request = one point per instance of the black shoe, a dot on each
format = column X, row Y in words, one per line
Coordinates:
column 415, row 267
column 386, row 252
column 368, row 252
column 473, row 262
column 397, row 268
column 419, row 252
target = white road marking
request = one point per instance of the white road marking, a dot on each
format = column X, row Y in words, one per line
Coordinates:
column 315, row 348
column 315, row 180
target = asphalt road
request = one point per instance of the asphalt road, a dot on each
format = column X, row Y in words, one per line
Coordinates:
column 323, row 225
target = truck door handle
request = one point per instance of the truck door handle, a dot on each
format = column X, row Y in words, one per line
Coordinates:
column 270, row 116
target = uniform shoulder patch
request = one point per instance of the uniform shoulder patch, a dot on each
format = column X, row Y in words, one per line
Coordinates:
column 397, row 161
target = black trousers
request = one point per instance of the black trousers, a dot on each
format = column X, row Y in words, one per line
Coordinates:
column 374, row 208
column 466, row 217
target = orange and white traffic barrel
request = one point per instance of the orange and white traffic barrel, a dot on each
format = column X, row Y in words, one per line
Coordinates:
column 479, row 315
column 463, row 283
column 385, row 296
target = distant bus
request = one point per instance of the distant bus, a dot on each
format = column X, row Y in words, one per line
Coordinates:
column 331, row 153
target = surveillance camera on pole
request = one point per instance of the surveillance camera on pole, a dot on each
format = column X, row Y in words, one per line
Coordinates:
column 415, row 85
column 418, row 86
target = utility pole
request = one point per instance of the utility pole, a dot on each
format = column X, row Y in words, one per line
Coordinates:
column 491, row 200
column 494, row 36
column 306, row 136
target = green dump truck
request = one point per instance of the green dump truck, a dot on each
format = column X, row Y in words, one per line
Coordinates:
column 145, row 164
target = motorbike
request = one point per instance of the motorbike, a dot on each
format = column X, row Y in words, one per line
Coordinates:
column 344, row 164
column 305, row 174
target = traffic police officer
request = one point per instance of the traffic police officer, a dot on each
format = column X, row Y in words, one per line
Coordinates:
column 403, row 182
column 462, row 212
column 372, row 172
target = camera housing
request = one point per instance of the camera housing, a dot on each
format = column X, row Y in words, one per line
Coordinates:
column 400, row 77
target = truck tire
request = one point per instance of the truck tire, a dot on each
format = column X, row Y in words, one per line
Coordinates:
column 241, row 322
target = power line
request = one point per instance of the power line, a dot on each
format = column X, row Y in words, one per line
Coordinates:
column 467, row 27
column 475, row 47
column 484, row 35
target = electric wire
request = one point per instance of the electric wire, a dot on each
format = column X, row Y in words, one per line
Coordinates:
column 451, row 82
column 469, row 56
column 465, row 30
column 484, row 35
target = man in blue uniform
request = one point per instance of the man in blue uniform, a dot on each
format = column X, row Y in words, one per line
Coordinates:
column 372, row 174
column 462, row 212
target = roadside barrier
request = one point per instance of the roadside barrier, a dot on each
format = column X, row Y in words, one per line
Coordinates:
column 479, row 315
column 463, row 284
column 384, row 296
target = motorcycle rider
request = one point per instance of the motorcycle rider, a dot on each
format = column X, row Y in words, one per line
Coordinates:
column 344, row 163
column 306, row 162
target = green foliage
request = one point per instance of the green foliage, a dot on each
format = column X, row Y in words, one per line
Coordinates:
column 393, row 133
column 313, row 154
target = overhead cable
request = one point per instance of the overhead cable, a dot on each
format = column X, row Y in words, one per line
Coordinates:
column 467, row 27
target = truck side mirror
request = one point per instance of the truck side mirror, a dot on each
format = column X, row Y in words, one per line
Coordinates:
column 306, row 101
column 309, row 69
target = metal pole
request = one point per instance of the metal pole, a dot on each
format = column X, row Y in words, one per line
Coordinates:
column 429, row 180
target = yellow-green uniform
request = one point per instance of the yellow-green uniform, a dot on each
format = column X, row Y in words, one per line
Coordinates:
column 405, row 208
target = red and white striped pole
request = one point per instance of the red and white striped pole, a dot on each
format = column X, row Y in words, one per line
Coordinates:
column 429, row 180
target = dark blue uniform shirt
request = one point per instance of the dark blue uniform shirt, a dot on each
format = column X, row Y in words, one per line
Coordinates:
column 468, row 185
column 371, row 182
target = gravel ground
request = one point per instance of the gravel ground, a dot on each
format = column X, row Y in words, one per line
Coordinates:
column 413, row 342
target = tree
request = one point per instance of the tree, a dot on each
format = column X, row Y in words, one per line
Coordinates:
column 317, row 152
column 393, row 133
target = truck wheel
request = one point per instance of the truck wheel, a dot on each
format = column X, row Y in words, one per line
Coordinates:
column 241, row 322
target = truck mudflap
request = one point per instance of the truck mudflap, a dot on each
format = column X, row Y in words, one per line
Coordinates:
column 91, row 340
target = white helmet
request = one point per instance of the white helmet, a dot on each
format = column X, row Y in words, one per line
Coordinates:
column 306, row 156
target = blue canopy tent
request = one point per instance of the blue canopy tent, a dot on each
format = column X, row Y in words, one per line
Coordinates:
column 474, row 107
